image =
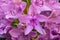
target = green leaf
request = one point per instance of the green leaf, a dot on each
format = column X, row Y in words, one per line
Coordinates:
column 24, row 0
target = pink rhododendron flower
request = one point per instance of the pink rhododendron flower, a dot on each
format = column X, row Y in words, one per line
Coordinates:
column 4, row 26
column 15, row 32
column 13, row 10
column 41, row 21
column 54, row 17
column 33, row 23
column 38, row 9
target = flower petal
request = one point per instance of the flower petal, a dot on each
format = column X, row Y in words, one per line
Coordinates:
column 39, row 29
column 41, row 18
column 24, row 18
column 1, row 31
column 28, row 29
column 15, row 32
column 23, row 5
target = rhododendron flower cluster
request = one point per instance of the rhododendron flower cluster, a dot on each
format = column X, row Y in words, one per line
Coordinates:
column 29, row 20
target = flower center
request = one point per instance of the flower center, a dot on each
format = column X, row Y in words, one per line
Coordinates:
column 33, row 21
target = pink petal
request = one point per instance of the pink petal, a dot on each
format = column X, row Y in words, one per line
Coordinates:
column 24, row 18
column 54, row 18
column 30, row 9
column 23, row 5
column 41, row 18
column 37, row 2
column 14, row 32
column 16, row 1
column 1, row 31
column 39, row 29
column 28, row 29
column 55, row 6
